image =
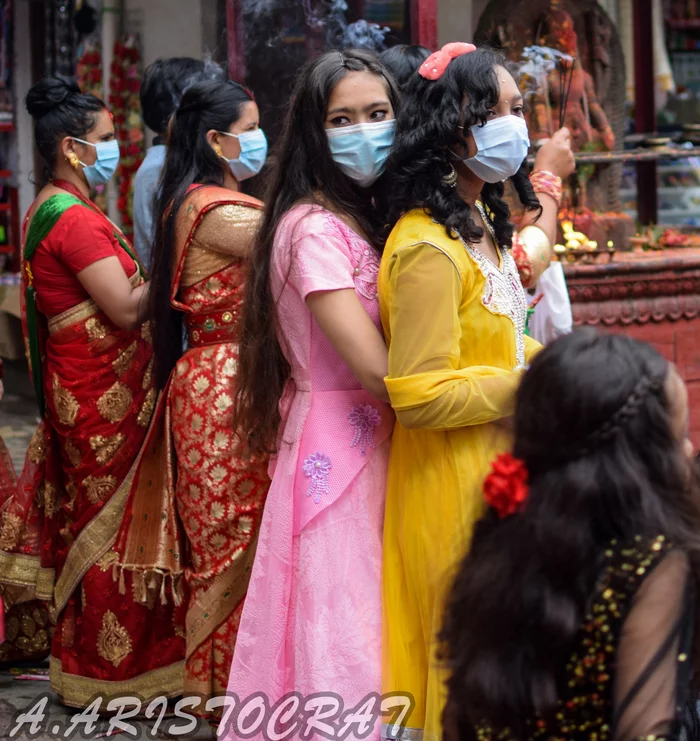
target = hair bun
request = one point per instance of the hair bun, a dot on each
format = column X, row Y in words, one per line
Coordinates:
column 50, row 93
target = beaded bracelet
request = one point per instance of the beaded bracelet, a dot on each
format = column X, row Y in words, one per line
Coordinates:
column 548, row 183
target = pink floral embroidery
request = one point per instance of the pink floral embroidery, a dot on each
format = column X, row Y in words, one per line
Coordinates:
column 364, row 258
column 317, row 467
column 364, row 418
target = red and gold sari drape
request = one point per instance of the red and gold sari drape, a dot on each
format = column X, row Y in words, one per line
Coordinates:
column 194, row 459
column 58, row 531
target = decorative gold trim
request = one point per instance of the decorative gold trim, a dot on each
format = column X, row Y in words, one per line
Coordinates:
column 78, row 313
column 106, row 447
column 93, row 541
column 26, row 571
column 79, row 692
column 146, row 413
column 66, row 405
column 114, row 404
column 82, row 311
column 222, row 597
column 113, row 641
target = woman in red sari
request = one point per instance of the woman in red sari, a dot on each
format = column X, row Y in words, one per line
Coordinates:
column 91, row 360
column 204, row 230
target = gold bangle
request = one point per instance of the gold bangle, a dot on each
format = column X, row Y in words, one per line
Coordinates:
column 538, row 248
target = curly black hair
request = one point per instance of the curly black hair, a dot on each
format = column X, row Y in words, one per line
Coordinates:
column 427, row 133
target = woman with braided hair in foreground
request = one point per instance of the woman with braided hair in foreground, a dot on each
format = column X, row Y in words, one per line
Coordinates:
column 573, row 616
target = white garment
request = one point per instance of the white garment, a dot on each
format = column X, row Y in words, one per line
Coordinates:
column 552, row 317
column 663, row 74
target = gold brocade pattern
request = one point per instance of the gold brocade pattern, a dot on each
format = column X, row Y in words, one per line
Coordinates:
column 109, row 558
column 147, row 332
column 65, row 404
column 79, row 692
column 144, row 418
column 73, row 454
column 200, row 263
column 114, row 404
column 148, row 376
column 113, row 641
column 224, row 235
column 50, row 499
column 95, row 330
column 99, row 487
column 26, row 633
column 37, row 446
column 9, row 531
column 123, row 361
column 106, row 447
column 73, row 315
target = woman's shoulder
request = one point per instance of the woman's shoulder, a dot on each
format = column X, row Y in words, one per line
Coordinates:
column 310, row 221
column 71, row 218
column 417, row 229
column 204, row 198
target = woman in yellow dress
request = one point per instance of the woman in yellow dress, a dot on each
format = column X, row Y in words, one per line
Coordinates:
column 454, row 313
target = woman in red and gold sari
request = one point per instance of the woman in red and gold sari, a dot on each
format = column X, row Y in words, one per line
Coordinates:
column 204, row 230
column 91, row 356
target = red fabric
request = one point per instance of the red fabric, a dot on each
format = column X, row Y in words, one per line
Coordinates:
column 79, row 239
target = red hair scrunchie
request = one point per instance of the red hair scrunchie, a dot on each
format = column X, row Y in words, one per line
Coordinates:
column 435, row 65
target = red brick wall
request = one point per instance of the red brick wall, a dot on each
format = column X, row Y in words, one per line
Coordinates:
column 679, row 342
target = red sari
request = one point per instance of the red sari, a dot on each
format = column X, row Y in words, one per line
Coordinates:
column 193, row 457
column 58, row 531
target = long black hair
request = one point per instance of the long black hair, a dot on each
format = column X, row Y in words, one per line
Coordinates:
column 189, row 160
column 592, row 425
column 427, row 132
column 303, row 167
column 59, row 109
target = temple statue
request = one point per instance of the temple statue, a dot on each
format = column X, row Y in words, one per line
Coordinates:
column 584, row 114
column 542, row 37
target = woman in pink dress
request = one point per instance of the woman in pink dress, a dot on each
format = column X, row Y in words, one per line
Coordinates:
column 311, row 386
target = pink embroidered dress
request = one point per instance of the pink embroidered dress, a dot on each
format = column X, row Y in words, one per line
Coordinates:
column 312, row 618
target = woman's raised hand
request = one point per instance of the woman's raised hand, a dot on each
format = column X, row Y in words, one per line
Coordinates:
column 556, row 155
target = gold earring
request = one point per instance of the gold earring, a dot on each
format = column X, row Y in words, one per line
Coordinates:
column 74, row 160
column 217, row 150
column 450, row 180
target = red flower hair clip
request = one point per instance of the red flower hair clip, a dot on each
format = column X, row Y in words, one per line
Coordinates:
column 506, row 487
column 435, row 65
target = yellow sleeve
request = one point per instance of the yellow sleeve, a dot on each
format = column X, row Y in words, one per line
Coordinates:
column 428, row 389
column 532, row 347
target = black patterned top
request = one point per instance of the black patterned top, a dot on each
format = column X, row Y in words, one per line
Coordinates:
column 628, row 677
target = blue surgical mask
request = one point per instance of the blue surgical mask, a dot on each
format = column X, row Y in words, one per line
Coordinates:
column 105, row 165
column 253, row 154
column 502, row 145
column 361, row 151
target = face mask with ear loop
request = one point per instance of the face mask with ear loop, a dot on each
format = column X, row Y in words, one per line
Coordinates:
column 253, row 153
column 105, row 165
column 502, row 145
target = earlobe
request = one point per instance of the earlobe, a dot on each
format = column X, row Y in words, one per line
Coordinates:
column 213, row 139
column 69, row 154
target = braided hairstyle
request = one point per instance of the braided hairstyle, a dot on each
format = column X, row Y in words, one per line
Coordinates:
column 427, row 134
column 593, row 425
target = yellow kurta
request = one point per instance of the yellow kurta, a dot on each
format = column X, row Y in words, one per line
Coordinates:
column 455, row 325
